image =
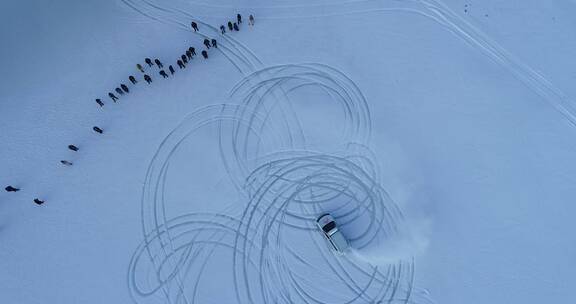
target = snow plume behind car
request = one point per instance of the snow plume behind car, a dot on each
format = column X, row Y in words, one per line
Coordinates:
column 411, row 240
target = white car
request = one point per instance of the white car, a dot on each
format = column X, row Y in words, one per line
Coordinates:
column 328, row 226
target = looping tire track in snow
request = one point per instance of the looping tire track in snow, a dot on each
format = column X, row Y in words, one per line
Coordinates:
column 285, row 186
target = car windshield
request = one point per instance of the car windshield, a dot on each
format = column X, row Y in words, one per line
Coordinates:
column 329, row 226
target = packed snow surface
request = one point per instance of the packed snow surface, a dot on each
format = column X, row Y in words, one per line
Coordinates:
column 440, row 134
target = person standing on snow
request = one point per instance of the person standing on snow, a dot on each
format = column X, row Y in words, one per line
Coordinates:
column 236, row 28
column 171, row 70
column 207, row 43
column 158, row 63
column 113, row 97
column 222, row 29
column 99, row 102
column 139, row 67
column 251, row 20
column 230, row 28
column 163, row 74
column 188, row 54
column 119, row 91
column 148, row 61
column 239, row 18
column 132, row 79
column 11, row 189
column 214, row 43
column 205, row 54
column 180, row 64
column 194, row 26
column 147, row 78
column 73, row 148
column 125, row 88
column 97, row 130
column 192, row 51
column 184, row 58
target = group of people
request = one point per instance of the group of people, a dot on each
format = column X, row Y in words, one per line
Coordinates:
column 182, row 61
column 123, row 89
column 233, row 26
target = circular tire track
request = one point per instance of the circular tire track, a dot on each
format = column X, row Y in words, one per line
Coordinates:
column 276, row 254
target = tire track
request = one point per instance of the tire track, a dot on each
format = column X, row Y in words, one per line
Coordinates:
column 469, row 33
column 285, row 186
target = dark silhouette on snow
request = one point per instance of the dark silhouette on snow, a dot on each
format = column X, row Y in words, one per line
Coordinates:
column 205, row 54
column 99, row 102
column 38, row 202
column 251, row 20
column 147, row 78
column 113, row 97
column 214, row 43
column 223, row 29
column 73, row 148
column 192, row 50
column 230, row 28
column 148, row 61
column 133, row 80
column 239, row 18
column 171, row 70
column 119, row 91
column 139, row 67
column 125, row 88
column 194, row 26
column 207, row 43
column 236, row 28
column 180, row 64
column 184, row 58
column 163, row 74
column 188, row 54
column 97, row 130
column 66, row 163
column 158, row 63
column 11, row 189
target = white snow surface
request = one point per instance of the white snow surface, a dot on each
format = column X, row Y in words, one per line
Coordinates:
column 441, row 135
